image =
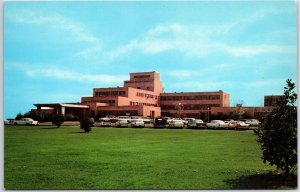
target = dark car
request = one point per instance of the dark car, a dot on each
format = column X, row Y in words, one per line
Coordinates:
column 160, row 122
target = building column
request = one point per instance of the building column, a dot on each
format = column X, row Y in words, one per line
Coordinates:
column 63, row 110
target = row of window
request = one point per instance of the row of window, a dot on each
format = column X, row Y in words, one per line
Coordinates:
column 190, row 97
column 107, row 101
column 189, row 107
column 146, row 95
column 141, row 104
column 109, row 93
column 102, row 101
column 141, row 76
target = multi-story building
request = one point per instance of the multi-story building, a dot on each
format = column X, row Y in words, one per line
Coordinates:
column 143, row 95
column 192, row 104
column 139, row 96
column 272, row 100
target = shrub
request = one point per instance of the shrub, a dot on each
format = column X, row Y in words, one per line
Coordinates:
column 86, row 124
column 58, row 120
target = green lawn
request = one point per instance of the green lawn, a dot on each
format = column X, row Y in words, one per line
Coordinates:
column 44, row 157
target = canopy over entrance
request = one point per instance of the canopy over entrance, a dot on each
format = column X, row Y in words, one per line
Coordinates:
column 61, row 108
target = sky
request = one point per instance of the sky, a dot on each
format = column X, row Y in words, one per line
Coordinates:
column 59, row 51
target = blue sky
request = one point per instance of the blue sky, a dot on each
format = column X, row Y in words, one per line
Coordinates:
column 60, row 51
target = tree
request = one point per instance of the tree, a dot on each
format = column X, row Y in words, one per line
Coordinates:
column 19, row 116
column 179, row 108
column 58, row 120
column 278, row 136
column 86, row 124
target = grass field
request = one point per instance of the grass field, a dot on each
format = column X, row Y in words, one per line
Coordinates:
column 45, row 157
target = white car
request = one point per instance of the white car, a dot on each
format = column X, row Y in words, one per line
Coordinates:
column 200, row 123
column 217, row 124
column 105, row 122
column 242, row 124
column 137, row 123
column 147, row 120
column 252, row 122
column 8, row 122
column 122, row 123
column 176, row 123
column 25, row 121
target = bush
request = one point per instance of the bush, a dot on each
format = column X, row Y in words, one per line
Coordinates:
column 86, row 124
column 58, row 120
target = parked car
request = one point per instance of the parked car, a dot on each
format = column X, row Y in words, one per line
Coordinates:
column 25, row 121
column 196, row 123
column 160, row 122
column 252, row 122
column 186, row 120
column 127, row 118
column 243, row 125
column 217, row 124
column 105, row 122
column 147, row 120
column 233, row 125
column 112, row 118
column 192, row 123
column 200, row 123
column 176, row 123
column 137, row 123
column 122, row 123
column 8, row 121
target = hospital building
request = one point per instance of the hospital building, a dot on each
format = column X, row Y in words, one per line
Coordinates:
column 143, row 95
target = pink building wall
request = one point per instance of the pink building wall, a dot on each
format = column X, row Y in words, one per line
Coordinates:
column 140, row 93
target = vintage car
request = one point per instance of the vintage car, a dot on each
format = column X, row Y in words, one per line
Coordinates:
column 122, row 123
column 176, row 123
column 137, row 123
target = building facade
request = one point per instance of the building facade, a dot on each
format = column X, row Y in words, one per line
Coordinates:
column 139, row 96
column 192, row 104
column 143, row 95
column 272, row 100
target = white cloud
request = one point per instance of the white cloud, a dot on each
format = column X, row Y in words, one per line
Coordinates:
column 59, row 22
column 202, row 86
column 191, row 40
column 254, row 50
column 75, row 76
column 260, row 84
column 55, row 73
column 201, row 40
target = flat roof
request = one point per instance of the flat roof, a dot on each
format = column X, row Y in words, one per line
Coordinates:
column 193, row 93
column 60, row 105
